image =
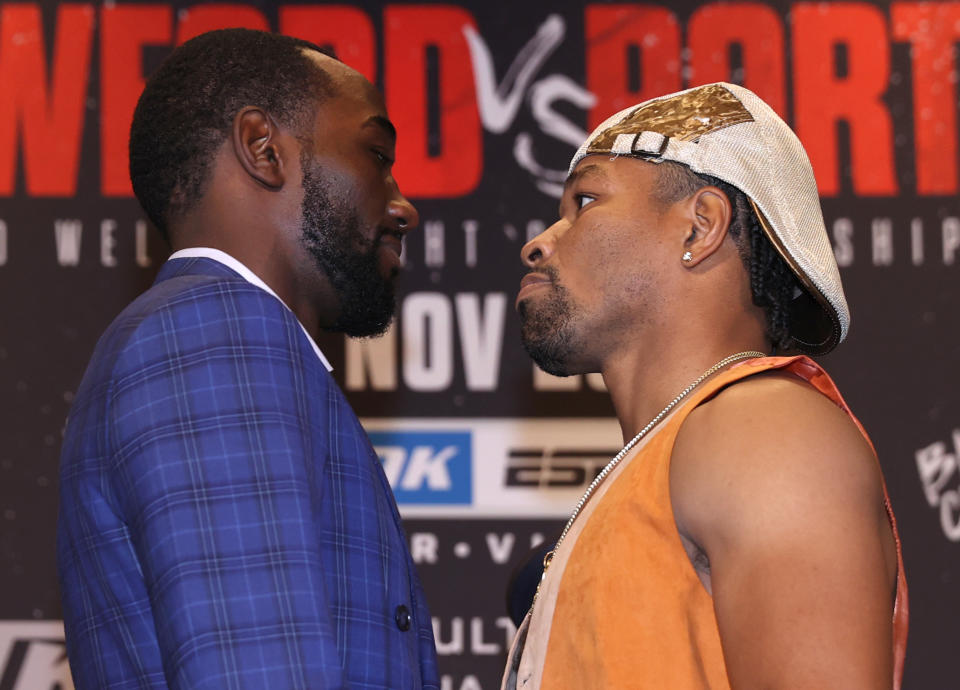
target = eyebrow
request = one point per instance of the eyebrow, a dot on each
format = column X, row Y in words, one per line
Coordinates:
column 383, row 123
column 591, row 171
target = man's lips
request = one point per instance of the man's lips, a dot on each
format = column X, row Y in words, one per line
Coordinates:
column 531, row 282
column 392, row 241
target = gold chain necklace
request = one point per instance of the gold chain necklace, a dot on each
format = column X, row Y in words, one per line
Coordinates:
column 626, row 449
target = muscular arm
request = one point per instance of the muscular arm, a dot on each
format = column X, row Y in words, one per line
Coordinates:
column 783, row 495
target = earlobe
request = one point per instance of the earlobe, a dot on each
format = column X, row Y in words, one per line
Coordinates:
column 255, row 144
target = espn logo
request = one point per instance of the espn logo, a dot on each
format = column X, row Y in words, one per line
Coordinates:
column 427, row 467
column 561, row 468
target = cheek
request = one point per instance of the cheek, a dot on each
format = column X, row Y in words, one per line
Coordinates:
column 617, row 269
column 600, row 252
column 346, row 179
column 370, row 196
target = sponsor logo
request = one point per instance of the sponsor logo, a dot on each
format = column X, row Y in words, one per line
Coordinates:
column 427, row 467
column 939, row 472
column 546, row 467
column 34, row 656
column 523, row 467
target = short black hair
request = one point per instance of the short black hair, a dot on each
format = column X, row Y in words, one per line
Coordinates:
column 187, row 108
column 772, row 284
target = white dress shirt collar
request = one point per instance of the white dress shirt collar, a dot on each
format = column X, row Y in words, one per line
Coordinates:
column 249, row 276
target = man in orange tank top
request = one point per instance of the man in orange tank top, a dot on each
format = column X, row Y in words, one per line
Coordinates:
column 743, row 538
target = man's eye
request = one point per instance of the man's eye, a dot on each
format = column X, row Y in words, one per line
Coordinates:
column 583, row 200
column 382, row 157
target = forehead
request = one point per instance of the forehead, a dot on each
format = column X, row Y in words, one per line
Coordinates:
column 628, row 172
column 353, row 100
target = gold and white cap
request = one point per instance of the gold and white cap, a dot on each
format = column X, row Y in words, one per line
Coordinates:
column 726, row 131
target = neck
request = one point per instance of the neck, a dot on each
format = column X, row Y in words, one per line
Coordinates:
column 642, row 383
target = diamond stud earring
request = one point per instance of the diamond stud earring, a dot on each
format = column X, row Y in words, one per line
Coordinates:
column 687, row 256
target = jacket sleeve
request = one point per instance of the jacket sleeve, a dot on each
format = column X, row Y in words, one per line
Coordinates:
column 215, row 464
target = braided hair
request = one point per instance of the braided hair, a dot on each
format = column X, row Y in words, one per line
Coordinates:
column 772, row 284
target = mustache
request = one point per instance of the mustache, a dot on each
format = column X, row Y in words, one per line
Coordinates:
column 549, row 271
column 370, row 245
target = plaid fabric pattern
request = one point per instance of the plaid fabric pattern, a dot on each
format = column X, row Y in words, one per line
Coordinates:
column 224, row 521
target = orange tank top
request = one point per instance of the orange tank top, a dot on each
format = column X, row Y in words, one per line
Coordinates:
column 581, row 634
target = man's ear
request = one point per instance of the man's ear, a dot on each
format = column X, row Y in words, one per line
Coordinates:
column 256, row 145
column 710, row 218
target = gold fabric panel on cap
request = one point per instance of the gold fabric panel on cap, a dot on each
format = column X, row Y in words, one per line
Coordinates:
column 684, row 116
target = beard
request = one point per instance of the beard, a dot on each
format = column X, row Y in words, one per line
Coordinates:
column 330, row 230
column 547, row 331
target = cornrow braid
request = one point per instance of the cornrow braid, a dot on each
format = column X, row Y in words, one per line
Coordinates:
column 772, row 283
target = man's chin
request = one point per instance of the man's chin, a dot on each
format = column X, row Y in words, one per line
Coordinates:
column 367, row 302
column 364, row 330
column 366, row 323
column 379, row 332
column 546, row 356
column 553, row 368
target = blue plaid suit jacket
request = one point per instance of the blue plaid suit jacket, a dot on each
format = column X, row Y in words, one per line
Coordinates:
column 224, row 521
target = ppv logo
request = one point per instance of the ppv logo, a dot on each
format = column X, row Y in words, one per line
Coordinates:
column 426, row 466
column 34, row 656
column 937, row 468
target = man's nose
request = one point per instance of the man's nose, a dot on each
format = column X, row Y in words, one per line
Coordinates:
column 403, row 214
column 540, row 248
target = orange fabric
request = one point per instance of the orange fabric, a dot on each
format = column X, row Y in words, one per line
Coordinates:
column 656, row 628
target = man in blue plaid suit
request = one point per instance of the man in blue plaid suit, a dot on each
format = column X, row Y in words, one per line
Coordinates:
column 224, row 521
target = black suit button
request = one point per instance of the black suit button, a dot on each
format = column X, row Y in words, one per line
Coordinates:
column 402, row 617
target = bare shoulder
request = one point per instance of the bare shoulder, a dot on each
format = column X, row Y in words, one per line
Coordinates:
column 781, row 497
column 767, row 448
